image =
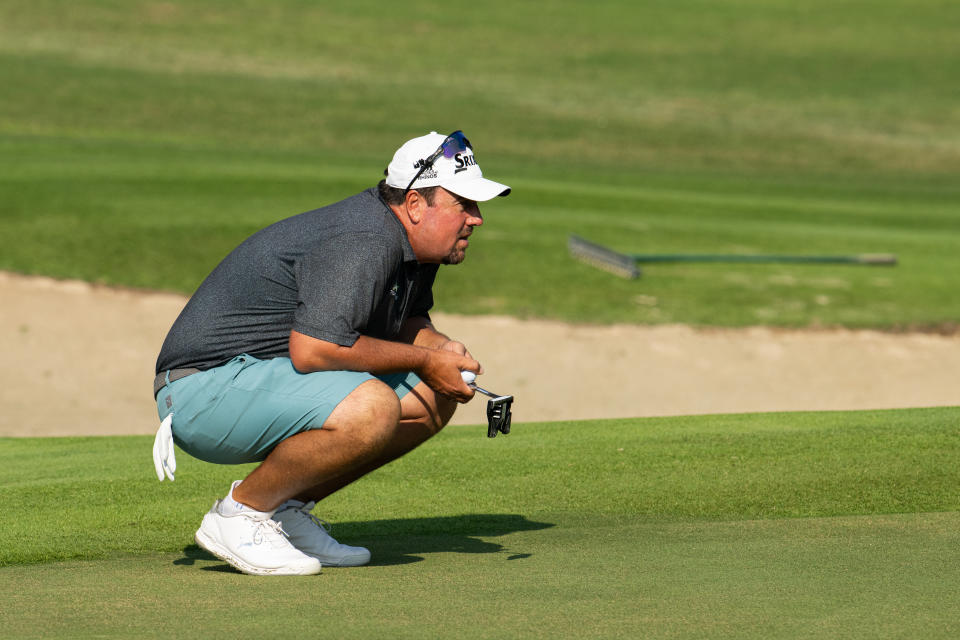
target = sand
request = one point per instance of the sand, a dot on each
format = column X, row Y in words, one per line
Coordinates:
column 78, row 359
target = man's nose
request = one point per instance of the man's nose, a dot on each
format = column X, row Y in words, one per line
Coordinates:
column 475, row 218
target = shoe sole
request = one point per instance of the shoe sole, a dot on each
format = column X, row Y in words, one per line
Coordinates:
column 349, row 561
column 212, row 546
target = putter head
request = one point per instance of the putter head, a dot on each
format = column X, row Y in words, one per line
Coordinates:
column 498, row 415
column 498, row 411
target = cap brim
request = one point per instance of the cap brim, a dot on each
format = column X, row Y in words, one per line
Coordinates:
column 478, row 189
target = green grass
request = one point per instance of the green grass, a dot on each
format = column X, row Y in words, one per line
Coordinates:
column 785, row 525
column 821, row 578
column 141, row 141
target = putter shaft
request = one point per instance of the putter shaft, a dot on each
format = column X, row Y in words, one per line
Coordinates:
column 485, row 392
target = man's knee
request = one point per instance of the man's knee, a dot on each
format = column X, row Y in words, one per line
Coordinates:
column 369, row 414
column 422, row 406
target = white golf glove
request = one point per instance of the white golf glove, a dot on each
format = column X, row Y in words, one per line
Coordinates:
column 164, row 460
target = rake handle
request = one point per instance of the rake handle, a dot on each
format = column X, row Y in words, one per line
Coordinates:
column 865, row 258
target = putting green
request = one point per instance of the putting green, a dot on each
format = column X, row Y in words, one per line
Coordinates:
column 851, row 577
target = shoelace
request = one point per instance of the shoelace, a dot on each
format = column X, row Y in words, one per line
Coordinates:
column 323, row 524
column 269, row 530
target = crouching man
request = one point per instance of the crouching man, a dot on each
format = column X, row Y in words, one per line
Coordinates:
column 310, row 350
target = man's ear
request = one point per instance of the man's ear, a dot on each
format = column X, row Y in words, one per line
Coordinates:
column 415, row 205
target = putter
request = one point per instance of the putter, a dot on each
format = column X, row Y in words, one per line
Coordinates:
column 498, row 407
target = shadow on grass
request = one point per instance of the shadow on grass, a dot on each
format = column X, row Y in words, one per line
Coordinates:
column 395, row 542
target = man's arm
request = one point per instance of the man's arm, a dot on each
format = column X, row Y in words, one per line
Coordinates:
column 438, row 367
column 421, row 332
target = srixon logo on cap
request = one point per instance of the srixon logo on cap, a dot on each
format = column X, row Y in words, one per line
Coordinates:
column 463, row 162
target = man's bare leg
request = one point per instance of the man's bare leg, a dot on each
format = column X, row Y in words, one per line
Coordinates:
column 358, row 431
column 423, row 415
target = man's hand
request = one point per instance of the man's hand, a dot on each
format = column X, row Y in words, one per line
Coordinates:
column 442, row 372
column 461, row 349
column 420, row 331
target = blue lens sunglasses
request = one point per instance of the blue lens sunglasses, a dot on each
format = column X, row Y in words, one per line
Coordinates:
column 453, row 144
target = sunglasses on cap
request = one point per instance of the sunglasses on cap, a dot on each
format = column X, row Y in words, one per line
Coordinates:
column 453, row 144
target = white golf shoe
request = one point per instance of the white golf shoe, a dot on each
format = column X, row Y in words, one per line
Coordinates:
column 254, row 543
column 311, row 535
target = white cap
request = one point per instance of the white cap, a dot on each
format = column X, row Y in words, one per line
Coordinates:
column 459, row 174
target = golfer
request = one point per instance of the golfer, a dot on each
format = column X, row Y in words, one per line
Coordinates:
column 310, row 349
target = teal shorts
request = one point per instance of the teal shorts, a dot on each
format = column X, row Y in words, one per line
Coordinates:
column 240, row 411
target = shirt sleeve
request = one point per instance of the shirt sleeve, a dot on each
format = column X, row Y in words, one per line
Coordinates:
column 341, row 282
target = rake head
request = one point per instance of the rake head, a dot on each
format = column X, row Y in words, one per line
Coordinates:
column 603, row 258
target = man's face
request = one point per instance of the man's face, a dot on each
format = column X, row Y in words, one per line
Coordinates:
column 447, row 225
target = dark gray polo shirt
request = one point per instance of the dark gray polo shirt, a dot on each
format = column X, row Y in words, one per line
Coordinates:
column 334, row 273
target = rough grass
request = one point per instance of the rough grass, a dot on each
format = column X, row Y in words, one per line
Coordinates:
column 141, row 141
